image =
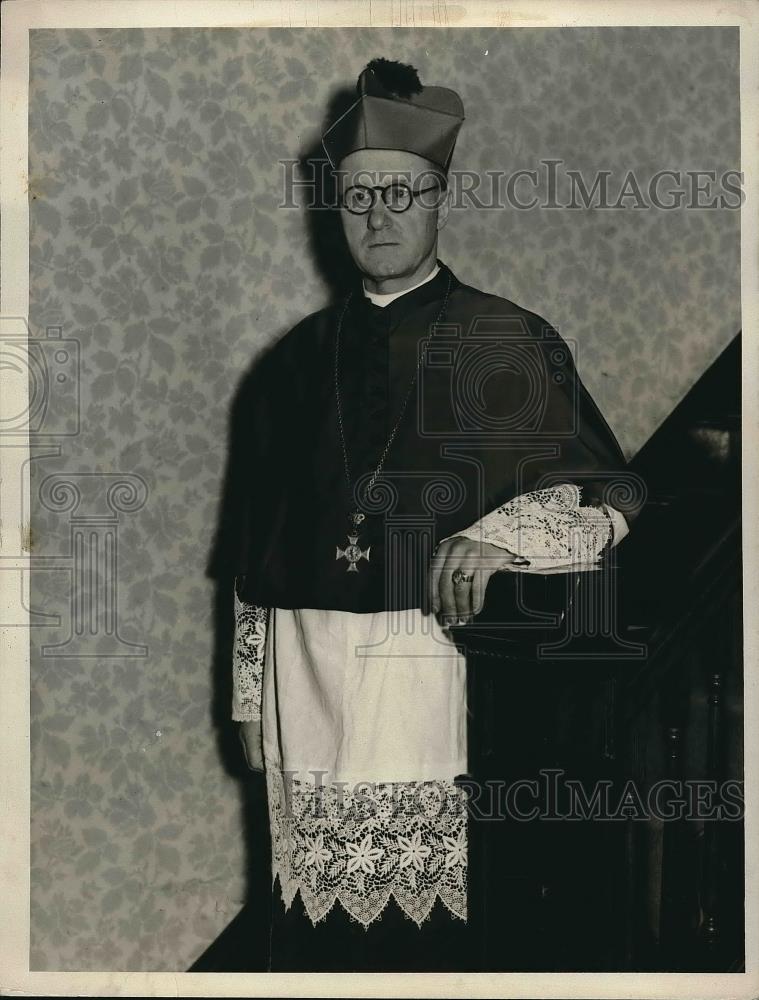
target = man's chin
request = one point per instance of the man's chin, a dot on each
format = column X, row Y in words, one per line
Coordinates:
column 383, row 262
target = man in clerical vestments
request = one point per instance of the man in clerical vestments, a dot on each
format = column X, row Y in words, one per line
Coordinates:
column 396, row 449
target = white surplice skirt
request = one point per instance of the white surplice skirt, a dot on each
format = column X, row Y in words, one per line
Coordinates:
column 364, row 730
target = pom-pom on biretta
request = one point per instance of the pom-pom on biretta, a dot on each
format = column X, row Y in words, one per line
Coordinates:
column 394, row 111
column 397, row 78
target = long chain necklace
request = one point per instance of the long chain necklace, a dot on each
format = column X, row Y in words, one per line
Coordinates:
column 353, row 552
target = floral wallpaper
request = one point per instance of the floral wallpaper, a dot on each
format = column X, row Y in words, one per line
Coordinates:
column 161, row 264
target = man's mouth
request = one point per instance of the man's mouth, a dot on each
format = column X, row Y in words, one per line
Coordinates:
column 383, row 243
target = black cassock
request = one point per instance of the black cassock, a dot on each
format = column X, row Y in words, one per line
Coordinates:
column 494, row 408
column 497, row 410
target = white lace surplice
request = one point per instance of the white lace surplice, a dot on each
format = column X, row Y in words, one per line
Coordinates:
column 377, row 702
column 364, row 728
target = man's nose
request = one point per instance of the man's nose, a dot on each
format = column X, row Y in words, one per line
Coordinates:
column 379, row 216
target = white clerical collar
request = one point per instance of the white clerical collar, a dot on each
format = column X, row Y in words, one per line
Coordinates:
column 385, row 298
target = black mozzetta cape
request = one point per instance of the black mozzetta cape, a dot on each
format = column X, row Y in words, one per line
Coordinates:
column 498, row 410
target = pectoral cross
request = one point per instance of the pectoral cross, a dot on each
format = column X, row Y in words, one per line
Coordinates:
column 353, row 551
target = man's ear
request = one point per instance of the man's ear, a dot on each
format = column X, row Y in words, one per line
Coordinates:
column 444, row 208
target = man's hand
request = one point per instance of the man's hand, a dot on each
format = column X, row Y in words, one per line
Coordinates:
column 459, row 576
column 250, row 737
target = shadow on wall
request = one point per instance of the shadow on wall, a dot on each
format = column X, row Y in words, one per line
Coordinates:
column 327, row 245
column 243, row 945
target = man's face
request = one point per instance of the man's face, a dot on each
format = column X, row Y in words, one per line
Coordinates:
column 387, row 245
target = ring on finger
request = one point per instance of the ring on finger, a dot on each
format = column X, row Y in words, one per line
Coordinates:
column 459, row 576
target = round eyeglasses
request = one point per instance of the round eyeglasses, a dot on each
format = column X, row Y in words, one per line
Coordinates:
column 396, row 197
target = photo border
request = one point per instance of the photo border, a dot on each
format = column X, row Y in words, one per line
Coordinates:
column 18, row 17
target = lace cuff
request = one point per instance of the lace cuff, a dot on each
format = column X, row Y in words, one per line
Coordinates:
column 248, row 660
column 548, row 530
